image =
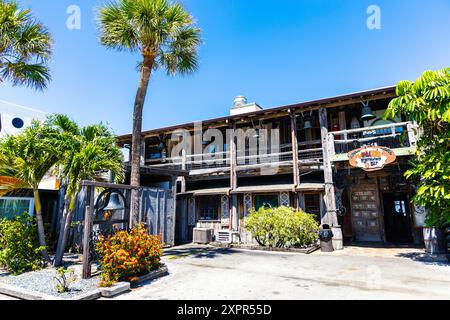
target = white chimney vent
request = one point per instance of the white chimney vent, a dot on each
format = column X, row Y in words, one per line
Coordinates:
column 241, row 106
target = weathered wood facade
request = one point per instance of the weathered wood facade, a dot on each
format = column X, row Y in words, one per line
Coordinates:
column 308, row 169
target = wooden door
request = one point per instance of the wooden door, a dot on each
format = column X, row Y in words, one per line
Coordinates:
column 366, row 211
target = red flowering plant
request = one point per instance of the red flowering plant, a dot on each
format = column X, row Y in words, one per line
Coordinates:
column 128, row 254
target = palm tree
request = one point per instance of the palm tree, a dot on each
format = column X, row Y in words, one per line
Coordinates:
column 25, row 47
column 165, row 35
column 27, row 158
column 85, row 153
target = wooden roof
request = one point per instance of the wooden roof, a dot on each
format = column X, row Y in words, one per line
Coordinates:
column 331, row 102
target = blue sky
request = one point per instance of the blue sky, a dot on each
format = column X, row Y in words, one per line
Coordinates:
column 273, row 52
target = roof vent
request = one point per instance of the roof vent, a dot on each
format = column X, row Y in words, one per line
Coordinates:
column 241, row 106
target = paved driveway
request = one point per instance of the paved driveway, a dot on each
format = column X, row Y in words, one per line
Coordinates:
column 201, row 272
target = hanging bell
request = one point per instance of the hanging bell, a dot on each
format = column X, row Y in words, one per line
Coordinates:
column 366, row 113
column 307, row 124
column 114, row 203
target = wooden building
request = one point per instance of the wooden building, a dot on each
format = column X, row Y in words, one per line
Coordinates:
column 310, row 167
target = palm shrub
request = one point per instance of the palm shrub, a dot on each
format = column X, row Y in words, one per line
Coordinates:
column 427, row 101
column 282, row 227
column 84, row 154
column 27, row 158
column 25, row 47
column 19, row 245
column 165, row 36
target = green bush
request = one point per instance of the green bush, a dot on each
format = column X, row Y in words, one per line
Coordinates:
column 19, row 246
column 282, row 227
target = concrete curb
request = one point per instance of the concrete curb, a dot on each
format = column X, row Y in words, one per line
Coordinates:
column 115, row 289
column 161, row 272
column 25, row 294
column 259, row 248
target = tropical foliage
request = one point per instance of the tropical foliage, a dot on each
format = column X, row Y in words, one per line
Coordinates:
column 427, row 101
column 27, row 158
column 25, row 47
column 19, row 246
column 282, row 227
column 81, row 153
column 165, row 36
column 126, row 255
column 84, row 154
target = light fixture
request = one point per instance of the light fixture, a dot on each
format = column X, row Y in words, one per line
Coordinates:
column 366, row 113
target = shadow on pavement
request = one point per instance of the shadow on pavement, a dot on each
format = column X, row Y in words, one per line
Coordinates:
column 195, row 252
column 426, row 258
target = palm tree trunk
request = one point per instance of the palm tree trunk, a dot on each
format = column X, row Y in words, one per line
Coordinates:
column 63, row 232
column 40, row 224
column 136, row 136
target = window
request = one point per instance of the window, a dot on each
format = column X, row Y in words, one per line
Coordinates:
column 11, row 207
column 17, row 123
column 208, row 207
column 266, row 201
column 312, row 204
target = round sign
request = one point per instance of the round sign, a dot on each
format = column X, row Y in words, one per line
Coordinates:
column 371, row 158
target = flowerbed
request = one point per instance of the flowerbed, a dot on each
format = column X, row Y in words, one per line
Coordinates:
column 127, row 255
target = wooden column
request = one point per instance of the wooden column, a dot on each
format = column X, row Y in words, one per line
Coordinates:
column 295, row 169
column 88, row 220
column 183, row 167
column 233, row 178
column 329, row 197
column 174, row 192
column 143, row 152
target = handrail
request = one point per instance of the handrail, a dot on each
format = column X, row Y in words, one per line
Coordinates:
column 383, row 126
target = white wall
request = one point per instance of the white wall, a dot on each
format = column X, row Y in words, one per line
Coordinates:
column 11, row 114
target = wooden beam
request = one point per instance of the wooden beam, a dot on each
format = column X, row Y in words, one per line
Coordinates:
column 106, row 185
column 330, row 197
column 233, row 175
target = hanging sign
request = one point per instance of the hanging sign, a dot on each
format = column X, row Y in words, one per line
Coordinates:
column 371, row 158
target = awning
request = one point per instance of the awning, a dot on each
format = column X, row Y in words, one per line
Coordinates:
column 264, row 188
column 311, row 187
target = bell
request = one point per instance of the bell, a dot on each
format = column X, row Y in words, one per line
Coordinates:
column 114, row 203
column 366, row 113
column 307, row 124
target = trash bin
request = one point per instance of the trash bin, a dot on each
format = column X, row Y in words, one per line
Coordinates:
column 326, row 238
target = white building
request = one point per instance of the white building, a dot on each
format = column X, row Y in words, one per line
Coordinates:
column 14, row 118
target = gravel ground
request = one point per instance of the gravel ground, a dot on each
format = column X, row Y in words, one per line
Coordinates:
column 43, row 281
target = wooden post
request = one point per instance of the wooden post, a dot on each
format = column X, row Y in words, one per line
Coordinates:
column 88, row 220
column 183, row 167
column 174, row 192
column 295, row 169
column 233, row 177
column 143, row 152
column 329, row 198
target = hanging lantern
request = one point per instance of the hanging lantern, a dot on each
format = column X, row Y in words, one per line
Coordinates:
column 366, row 113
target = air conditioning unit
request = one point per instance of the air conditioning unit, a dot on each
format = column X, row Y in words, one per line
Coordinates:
column 224, row 236
column 203, row 235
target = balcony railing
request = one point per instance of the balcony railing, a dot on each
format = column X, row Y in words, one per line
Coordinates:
column 220, row 161
column 401, row 137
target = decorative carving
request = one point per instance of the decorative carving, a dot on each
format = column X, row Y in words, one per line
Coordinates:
column 419, row 216
column 247, row 203
column 191, row 212
column 225, row 209
column 284, row 199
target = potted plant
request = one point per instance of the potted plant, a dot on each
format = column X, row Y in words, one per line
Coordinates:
column 435, row 236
